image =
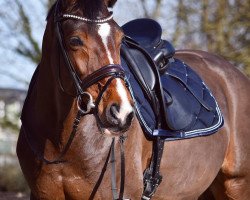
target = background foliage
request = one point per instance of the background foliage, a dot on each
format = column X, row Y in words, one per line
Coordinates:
column 221, row 27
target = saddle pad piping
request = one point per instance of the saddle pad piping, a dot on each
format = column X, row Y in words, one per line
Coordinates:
column 216, row 126
column 138, row 111
column 181, row 135
column 191, row 134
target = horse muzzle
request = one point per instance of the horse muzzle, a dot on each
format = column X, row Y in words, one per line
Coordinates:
column 119, row 118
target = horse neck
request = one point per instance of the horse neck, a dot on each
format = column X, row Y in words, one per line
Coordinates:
column 56, row 110
column 48, row 107
column 91, row 145
column 93, row 148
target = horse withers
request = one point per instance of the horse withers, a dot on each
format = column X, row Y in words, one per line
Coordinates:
column 78, row 102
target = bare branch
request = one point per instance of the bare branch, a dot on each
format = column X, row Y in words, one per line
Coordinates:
column 34, row 53
column 13, row 76
column 144, row 7
column 157, row 10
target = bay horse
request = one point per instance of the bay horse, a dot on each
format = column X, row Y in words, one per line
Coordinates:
column 62, row 153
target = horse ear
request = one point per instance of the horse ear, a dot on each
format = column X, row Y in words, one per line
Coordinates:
column 110, row 3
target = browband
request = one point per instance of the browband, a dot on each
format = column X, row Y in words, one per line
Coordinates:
column 103, row 20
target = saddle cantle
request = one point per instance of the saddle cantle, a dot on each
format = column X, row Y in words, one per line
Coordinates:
column 147, row 33
column 138, row 29
column 171, row 100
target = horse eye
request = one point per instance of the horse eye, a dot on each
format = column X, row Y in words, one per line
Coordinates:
column 76, row 41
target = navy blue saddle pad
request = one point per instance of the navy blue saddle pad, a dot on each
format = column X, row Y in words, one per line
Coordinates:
column 190, row 108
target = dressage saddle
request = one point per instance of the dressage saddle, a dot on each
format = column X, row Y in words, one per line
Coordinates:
column 172, row 101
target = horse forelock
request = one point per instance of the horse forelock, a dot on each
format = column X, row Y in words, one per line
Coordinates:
column 91, row 9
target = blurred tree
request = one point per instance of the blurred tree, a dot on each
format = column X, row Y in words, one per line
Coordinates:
column 217, row 26
column 221, row 27
column 150, row 12
column 31, row 49
column 26, row 45
column 21, row 23
column 184, row 29
column 49, row 3
column 18, row 36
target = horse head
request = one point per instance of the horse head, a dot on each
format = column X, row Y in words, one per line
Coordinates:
column 90, row 43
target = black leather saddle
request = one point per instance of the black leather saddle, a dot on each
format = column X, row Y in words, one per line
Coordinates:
column 147, row 33
column 172, row 101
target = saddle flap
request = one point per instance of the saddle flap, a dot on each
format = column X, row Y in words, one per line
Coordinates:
column 140, row 67
column 146, row 32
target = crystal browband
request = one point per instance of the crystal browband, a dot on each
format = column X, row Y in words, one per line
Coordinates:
column 89, row 20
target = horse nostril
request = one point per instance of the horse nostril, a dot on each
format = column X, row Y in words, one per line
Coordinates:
column 114, row 110
column 129, row 118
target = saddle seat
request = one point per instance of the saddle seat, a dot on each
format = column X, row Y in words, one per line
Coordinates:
column 147, row 33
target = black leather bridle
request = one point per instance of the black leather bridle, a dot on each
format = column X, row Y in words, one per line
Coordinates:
column 110, row 72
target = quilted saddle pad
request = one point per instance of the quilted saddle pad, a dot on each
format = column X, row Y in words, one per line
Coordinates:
column 190, row 108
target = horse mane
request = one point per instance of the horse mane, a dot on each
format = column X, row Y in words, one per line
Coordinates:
column 90, row 8
column 51, row 10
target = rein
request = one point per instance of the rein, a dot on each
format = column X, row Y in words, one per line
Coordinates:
column 111, row 159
